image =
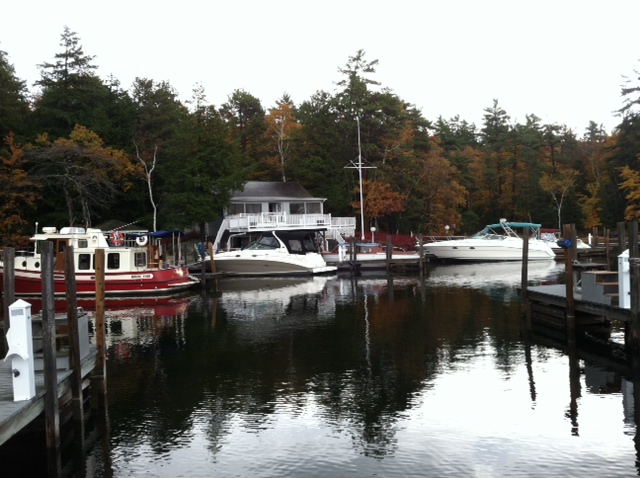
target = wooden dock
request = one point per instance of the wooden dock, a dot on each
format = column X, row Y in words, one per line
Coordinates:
column 591, row 296
column 14, row 416
column 544, row 299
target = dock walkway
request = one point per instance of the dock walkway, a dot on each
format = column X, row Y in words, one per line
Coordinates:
column 556, row 295
column 16, row 415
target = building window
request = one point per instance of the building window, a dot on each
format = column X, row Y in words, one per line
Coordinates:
column 313, row 208
column 296, row 208
column 113, row 260
column 235, row 209
column 84, row 262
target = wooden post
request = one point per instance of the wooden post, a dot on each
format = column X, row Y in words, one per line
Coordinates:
column 213, row 264
column 353, row 256
column 634, row 284
column 100, row 375
column 524, row 279
column 421, row 254
column 607, row 248
column 568, row 273
column 389, row 252
column 75, row 361
column 51, row 401
column 622, row 238
column 9, row 287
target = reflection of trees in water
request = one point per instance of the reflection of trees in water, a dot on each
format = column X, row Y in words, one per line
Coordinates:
column 361, row 367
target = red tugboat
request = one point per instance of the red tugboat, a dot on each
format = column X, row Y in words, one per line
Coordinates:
column 133, row 263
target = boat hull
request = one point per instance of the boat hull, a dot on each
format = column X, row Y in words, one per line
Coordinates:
column 275, row 263
column 485, row 250
column 122, row 283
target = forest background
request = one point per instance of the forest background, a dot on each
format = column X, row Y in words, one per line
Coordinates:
column 80, row 150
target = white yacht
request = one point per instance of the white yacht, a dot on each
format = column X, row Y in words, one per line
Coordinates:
column 496, row 242
column 276, row 252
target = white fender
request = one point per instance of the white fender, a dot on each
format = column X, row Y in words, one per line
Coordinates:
column 142, row 240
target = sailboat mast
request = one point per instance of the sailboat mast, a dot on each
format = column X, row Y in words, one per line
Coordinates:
column 360, row 180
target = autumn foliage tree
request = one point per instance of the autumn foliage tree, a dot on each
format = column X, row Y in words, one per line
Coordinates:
column 17, row 194
column 87, row 173
column 281, row 126
column 380, row 199
column 436, row 192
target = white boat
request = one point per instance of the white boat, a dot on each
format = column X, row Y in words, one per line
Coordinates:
column 367, row 255
column 276, row 252
column 496, row 242
column 134, row 263
column 556, row 242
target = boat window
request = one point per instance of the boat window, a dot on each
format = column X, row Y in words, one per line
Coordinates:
column 113, row 260
column 309, row 245
column 83, row 243
column 84, row 262
column 295, row 246
column 265, row 242
column 140, row 259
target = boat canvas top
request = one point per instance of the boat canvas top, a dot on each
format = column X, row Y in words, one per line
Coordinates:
column 506, row 229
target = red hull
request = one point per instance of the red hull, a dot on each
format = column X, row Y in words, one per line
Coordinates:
column 160, row 281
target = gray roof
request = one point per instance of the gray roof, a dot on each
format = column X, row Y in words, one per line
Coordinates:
column 260, row 190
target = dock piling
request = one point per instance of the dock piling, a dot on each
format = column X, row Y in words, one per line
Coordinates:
column 8, row 291
column 634, row 278
column 51, row 402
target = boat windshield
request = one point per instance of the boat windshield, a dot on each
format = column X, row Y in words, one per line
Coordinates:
column 265, row 242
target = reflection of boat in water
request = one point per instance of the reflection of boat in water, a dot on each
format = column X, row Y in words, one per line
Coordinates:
column 482, row 275
column 261, row 297
column 165, row 305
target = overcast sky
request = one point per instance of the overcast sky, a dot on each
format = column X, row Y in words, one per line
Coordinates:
column 562, row 60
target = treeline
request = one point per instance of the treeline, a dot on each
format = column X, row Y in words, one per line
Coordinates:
column 80, row 150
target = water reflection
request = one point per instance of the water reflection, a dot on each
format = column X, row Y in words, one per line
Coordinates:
column 350, row 366
column 359, row 376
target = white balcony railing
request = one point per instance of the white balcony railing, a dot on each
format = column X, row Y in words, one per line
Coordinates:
column 277, row 220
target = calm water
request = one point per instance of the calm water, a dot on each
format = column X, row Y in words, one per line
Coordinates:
column 334, row 376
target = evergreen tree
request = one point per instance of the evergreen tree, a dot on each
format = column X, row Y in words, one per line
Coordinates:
column 71, row 94
column 199, row 185
column 14, row 107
